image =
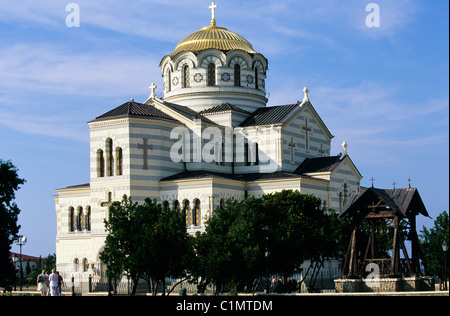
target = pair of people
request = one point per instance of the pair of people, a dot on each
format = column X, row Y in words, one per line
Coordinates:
column 51, row 281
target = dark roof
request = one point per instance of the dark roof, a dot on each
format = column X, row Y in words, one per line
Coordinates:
column 270, row 115
column 320, row 164
column 201, row 174
column 134, row 109
column 187, row 112
column 405, row 201
column 24, row 257
column 225, row 107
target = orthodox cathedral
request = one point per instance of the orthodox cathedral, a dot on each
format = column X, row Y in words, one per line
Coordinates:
column 210, row 138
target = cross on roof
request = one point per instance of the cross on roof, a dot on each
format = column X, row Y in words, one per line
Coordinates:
column 394, row 184
column 213, row 8
column 306, row 96
column 153, row 88
column 372, row 180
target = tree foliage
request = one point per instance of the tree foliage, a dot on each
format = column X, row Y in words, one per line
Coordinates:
column 9, row 212
column 249, row 240
column 431, row 242
column 144, row 242
column 243, row 243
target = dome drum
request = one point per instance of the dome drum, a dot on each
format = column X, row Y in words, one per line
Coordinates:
column 214, row 65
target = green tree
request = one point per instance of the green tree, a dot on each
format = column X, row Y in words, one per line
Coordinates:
column 246, row 241
column 299, row 230
column 431, row 242
column 121, row 252
column 144, row 241
column 232, row 249
column 9, row 212
column 165, row 244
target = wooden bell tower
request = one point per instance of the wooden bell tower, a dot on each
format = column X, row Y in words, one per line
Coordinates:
column 390, row 213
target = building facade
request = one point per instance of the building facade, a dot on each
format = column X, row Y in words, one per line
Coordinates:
column 211, row 137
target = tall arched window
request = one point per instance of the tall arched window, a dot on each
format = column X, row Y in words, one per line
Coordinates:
column 186, row 212
column 255, row 160
column 196, row 214
column 80, row 219
column 72, row 219
column 237, row 75
column 85, row 265
column 211, row 74
column 256, row 78
column 76, row 264
column 186, row 77
column 100, row 164
column 119, row 160
column 87, row 220
column 247, row 159
column 165, row 206
column 109, row 158
column 168, row 82
column 176, row 206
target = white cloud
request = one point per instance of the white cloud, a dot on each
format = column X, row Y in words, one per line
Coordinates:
column 60, row 126
column 48, row 68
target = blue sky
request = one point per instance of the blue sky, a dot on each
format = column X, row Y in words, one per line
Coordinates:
column 384, row 90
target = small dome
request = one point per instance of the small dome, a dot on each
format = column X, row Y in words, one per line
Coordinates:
column 213, row 37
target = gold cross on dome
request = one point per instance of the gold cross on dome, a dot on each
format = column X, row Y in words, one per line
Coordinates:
column 213, row 8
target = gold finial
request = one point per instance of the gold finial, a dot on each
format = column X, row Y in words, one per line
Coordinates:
column 213, row 8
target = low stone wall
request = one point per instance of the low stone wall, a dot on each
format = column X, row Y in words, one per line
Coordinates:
column 385, row 285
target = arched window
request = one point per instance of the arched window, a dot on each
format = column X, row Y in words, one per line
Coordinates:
column 247, row 159
column 165, row 206
column 100, row 164
column 80, row 219
column 219, row 150
column 85, row 265
column 87, row 220
column 109, row 158
column 119, row 159
column 196, row 213
column 186, row 77
column 176, row 206
column 256, row 78
column 222, row 203
column 237, row 75
column 168, row 82
column 76, row 264
column 255, row 160
column 72, row 219
column 252, row 156
column 211, row 74
column 186, row 211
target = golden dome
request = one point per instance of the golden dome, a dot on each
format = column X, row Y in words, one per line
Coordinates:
column 213, row 37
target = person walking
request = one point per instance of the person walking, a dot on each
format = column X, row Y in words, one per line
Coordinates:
column 53, row 280
column 60, row 282
column 42, row 283
column 273, row 284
